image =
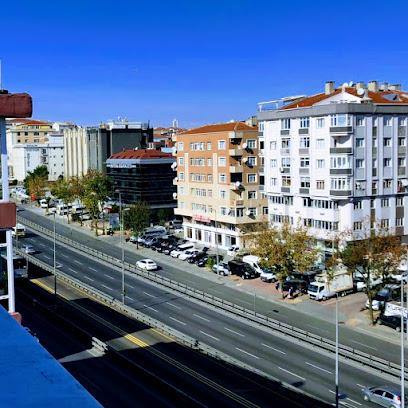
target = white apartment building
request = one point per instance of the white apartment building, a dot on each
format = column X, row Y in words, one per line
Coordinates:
column 337, row 161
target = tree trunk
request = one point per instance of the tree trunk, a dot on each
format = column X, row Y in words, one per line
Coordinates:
column 370, row 307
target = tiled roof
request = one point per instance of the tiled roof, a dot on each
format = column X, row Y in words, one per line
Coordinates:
column 141, row 154
column 220, row 127
column 28, row 121
column 376, row 97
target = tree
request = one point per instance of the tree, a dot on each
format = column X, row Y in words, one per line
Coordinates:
column 285, row 250
column 163, row 215
column 36, row 181
column 64, row 191
column 78, row 191
column 137, row 218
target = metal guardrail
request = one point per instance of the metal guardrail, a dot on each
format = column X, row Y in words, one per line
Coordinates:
column 312, row 339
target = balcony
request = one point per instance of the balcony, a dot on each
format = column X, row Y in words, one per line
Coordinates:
column 285, row 170
column 341, row 193
column 341, row 150
column 341, row 172
column 235, row 152
column 303, row 190
column 237, row 186
column 236, row 203
column 402, row 150
column 285, row 151
column 303, row 131
column 304, row 170
column 235, row 135
column 235, row 169
column 401, row 171
column 304, row 151
column 285, row 189
column 341, row 130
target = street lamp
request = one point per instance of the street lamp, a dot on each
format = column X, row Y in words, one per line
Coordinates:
column 55, row 276
column 402, row 345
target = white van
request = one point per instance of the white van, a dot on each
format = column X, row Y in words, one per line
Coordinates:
column 180, row 249
column 43, row 203
column 63, row 209
column 18, row 231
column 253, row 261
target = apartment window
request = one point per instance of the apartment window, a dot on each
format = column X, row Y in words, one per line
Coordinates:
column 340, row 120
column 360, row 163
column 360, row 121
column 252, row 211
column 402, row 141
column 304, row 122
column 272, row 145
column 340, row 162
column 180, row 190
column 265, row 210
column 222, row 178
column 180, row 146
column 387, row 162
column 374, row 142
column 25, row 133
column 36, row 133
column 387, row 141
column 399, row 202
column 181, row 161
column 36, row 140
column 285, row 162
column 197, row 146
column 181, row 176
column 286, row 181
column 304, row 142
column 399, row 222
column 261, row 126
column 251, row 161
column 372, row 203
column 285, row 124
column 387, row 121
column 385, row 202
column 340, row 183
column 273, row 182
column 223, row 194
column 402, row 121
column 385, row 223
column 320, row 143
column 209, row 178
column 222, row 162
column 320, row 163
column 320, row 123
column 387, row 183
column 273, row 163
column 304, row 162
column 359, row 142
column 401, row 161
column 251, row 178
column 285, row 143
column 221, row 145
column 251, row 195
column 374, row 163
column 209, row 146
column 209, row 162
column 357, row 225
column 320, row 184
column 358, row 205
column 374, row 185
column 251, row 143
column 305, row 182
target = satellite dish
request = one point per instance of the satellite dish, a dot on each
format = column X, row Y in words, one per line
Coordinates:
column 360, row 91
column 351, row 83
column 248, row 213
column 244, row 145
column 174, row 195
column 237, row 184
column 174, row 165
column 345, row 85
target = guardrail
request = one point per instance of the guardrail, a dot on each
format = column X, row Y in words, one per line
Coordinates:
column 303, row 336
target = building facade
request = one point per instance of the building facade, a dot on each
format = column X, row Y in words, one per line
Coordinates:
column 88, row 148
column 143, row 175
column 219, row 187
column 337, row 161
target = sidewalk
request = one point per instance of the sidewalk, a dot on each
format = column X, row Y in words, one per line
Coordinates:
column 351, row 308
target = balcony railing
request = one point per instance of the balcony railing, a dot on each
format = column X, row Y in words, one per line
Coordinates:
column 343, row 172
column 341, row 193
column 235, row 169
column 341, row 130
column 235, row 152
column 341, row 150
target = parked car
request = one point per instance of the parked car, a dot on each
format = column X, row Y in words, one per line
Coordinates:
column 401, row 275
column 180, row 249
column 386, row 294
column 385, row 396
column 188, row 254
column 268, row 275
column 297, row 285
column 360, row 283
column 232, row 250
column 221, row 269
column 392, row 321
column 147, row 264
column 195, row 258
column 28, row 249
column 242, row 269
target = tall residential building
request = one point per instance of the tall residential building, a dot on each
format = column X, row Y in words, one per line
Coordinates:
column 337, row 161
column 219, row 190
column 89, row 148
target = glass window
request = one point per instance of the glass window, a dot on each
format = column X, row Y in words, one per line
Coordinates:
column 209, row 146
column 304, row 122
column 359, row 142
column 357, row 225
column 273, row 163
column 360, row 121
column 223, row 194
column 181, row 161
column 358, row 205
column 286, row 181
column 222, row 178
column 401, row 162
column 305, row 182
column 387, row 121
column 273, row 181
column 387, row 162
column 180, row 146
column 320, row 163
column 305, row 142
column 387, row 183
column 181, row 176
column 360, row 163
column 285, row 143
column 251, row 161
column 209, row 162
column 251, row 143
column 387, row 141
column 320, row 143
column 272, row 145
column 385, row 202
column 251, row 178
column 320, row 184
column 251, row 195
column 304, row 162
column 402, row 141
column 285, row 124
column 320, row 123
column 222, row 161
column 340, row 120
column 221, row 144
column 285, row 161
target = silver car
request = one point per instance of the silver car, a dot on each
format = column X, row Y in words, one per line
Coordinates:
column 385, row 396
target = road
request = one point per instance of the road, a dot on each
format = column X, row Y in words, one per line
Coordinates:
column 308, row 370
column 199, row 380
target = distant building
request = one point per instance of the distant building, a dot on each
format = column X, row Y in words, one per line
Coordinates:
column 163, row 137
column 89, row 148
column 143, row 175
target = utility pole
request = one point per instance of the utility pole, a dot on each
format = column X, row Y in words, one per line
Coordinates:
column 121, row 244
column 402, row 346
column 55, row 264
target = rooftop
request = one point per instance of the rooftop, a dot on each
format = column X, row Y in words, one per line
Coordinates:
column 141, row 154
column 220, row 127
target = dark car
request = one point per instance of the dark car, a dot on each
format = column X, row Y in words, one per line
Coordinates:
column 203, row 261
column 195, row 258
column 305, row 276
column 242, row 269
column 392, row 321
column 297, row 285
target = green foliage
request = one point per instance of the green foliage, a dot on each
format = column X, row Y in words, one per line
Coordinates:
column 137, row 217
column 210, row 262
column 36, row 181
column 163, row 215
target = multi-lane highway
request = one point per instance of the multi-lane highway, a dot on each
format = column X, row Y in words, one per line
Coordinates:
column 309, row 370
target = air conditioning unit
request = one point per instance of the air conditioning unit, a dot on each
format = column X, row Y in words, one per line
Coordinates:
column 248, row 213
column 175, row 196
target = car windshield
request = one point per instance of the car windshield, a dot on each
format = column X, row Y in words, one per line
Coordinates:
column 313, row 288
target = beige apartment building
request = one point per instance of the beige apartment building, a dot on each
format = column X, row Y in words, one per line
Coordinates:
column 219, row 183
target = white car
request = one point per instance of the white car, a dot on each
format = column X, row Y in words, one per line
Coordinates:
column 175, row 253
column 188, row 254
column 146, row 264
column 221, row 269
column 401, row 275
column 28, row 249
column 232, row 251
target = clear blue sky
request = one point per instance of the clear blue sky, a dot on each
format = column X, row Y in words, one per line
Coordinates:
column 199, row 61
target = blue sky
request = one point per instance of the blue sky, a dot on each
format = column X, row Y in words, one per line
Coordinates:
column 197, row 61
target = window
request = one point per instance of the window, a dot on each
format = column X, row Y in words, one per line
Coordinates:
column 374, row 142
column 402, row 141
column 374, row 185
column 320, row 184
column 360, row 121
column 181, row 176
column 222, row 178
column 372, row 203
column 320, row 143
column 320, row 163
column 221, row 145
column 360, row 163
column 209, row 162
column 251, row 195
column 261, row 126
column 223, row 194
column 304, row 162
column 387, row 183
column 305, row 182
column 286, row 181
column 399, row 222
column 320, row 123
column 385, row 223
column 402, row 121
column 180, row 146
column 285, row 143
column 285, row 124
column 401, row 162
column 265, row 210
column 387, row 121
column 251, row 178
column 340, row 120
column 374, row 163
column 387, row 162
column 359, row 142
column 304, row 122
column 399, row 202
column 358, row 205
column 273, row 163
column 222, row 162
column 358, row 225
column 340, row 162
column 272, row 145
column 273, row 182
column 181, row 161
column 387, row 141
column 385, row 202
column 285, row 162
column 304, row 142
column 340, row 183
column 252, row 211
column 251, row 161
column 209, row 178
column 251, row 143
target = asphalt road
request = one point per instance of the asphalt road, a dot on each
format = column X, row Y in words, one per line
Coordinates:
column 116, row 384
column 307, row 369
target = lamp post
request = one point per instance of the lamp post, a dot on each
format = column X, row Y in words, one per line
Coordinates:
column 121, row 210
column 55, row 276
column 402, row 346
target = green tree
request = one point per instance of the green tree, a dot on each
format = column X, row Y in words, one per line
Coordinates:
column 64, row 191
column 36, row 181
column 137, row 218
column 78, row 191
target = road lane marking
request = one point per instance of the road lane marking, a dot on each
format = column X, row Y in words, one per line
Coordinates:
column 149, row 307
column 209, row 335
column 46, row 256
column 202, row 318
column 148, row 294
column 249, row 354
column 359, row 385
column 273, row 348
column 319, row 368
column 87, row 277
column 92, row 269
column 178, row 321
column 107, row 287
column 130, row 286
column 80, row 263
column 362, row 344
column 108, row 276
column 172, row 305
column 233, row 331
column 72, row 270
column 130, row 298
column 289, row 372
column 355, row 402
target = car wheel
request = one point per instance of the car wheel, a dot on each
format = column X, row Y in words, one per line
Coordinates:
column 366, row 398
column 324, row 298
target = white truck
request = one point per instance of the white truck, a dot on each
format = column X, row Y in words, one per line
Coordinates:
column 322, row 289
column 266, row 275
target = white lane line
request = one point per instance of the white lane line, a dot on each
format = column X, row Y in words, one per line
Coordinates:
column 152, row 308
column 201, row 317
column 172, row 305
column 87, row 277
column 273, row 348
column 107, row 287
column 130, row 286
column 244, row 301
column 245, row 352
column 80, row 263
column 355, row 402
column 359, row 385
column 233, row 331
column 72, row 270
column 130, row 298
column 362, row 344
column 178, row 321
column 92, row 269
column 108, row 276
column 46, row 256
column 148, row 294
column 289, row 372
column 319, row 368
column 209, row 335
